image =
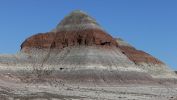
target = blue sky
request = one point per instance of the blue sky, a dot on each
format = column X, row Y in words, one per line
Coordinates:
column 149, row 25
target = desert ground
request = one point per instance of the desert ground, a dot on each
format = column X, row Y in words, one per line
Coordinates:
column 13, row 89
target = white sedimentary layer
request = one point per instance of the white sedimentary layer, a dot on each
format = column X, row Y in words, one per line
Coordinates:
column 158, row 70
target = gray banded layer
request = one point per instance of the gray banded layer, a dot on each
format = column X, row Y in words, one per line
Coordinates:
column 77, row 20
column 121, row 42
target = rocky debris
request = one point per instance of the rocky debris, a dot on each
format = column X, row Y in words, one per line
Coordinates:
column 42, row 91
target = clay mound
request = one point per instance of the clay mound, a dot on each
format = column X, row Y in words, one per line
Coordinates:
column 78, row 31
column 79, row 49
column 80, row 60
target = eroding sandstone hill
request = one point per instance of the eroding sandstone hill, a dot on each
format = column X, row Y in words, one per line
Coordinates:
column 80, row 50
column 80, row 60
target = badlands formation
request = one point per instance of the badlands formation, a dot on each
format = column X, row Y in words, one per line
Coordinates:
column 79, row 60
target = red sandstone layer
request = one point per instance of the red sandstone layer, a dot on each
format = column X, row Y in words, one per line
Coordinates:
column 64, row 39
column 89, row 37
column 138, row 56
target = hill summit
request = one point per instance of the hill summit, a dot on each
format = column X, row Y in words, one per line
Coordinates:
column 75, row 29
